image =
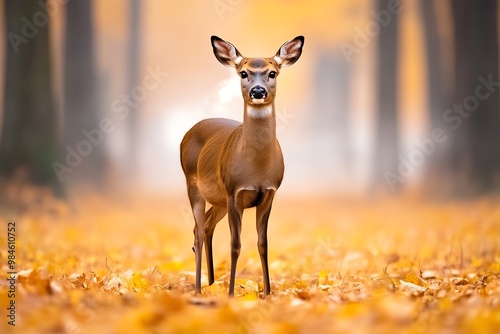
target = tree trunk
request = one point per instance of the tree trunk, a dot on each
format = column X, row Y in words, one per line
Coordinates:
column 81, row 101
column 476, row 150
column 133, row 59
column 436, row 89
column 437, row 181
column 386, row 132
column 332, row 98
column 29, row 136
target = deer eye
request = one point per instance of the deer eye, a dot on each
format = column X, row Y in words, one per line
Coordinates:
column 272, row 74
column 244, row 75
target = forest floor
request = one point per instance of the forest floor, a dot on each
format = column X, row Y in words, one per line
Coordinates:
column 388, row 266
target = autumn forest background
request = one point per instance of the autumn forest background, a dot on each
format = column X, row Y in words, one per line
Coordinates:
column 388, row 219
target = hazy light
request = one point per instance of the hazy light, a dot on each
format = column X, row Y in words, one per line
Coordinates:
column 229, row 89
column 177, row 123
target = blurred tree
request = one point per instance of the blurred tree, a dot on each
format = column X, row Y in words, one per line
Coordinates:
column 81, row 99
column 29, row 134
column 133, row 59
column 437, row 180
column 436, row 87
column 387, row 139
column 476, row 117
column 332, row 99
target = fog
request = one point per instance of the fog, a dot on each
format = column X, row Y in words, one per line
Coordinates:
column 348, row 122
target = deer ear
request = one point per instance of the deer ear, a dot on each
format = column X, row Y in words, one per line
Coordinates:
column 225, row 52
column 290, row 52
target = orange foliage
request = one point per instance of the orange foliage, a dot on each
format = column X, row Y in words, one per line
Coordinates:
column 393, row 266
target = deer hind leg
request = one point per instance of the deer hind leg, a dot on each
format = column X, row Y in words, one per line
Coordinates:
column 212, row 217
column 198, row 207
column 262, row 217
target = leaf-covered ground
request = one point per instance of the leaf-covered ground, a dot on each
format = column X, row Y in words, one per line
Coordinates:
column 390, row 266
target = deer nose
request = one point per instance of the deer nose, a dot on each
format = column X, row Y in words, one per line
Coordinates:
column 258, row 92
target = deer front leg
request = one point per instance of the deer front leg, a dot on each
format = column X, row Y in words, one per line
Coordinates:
column 263, row 212
column 234, row 214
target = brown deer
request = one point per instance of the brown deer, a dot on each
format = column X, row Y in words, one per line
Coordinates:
column 233, row 165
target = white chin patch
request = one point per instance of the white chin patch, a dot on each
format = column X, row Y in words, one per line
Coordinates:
column 260, row 112
column 258, row 101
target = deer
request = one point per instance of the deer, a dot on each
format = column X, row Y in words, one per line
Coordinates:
column 234, row 166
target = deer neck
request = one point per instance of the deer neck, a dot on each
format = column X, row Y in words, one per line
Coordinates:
column 259, row 128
